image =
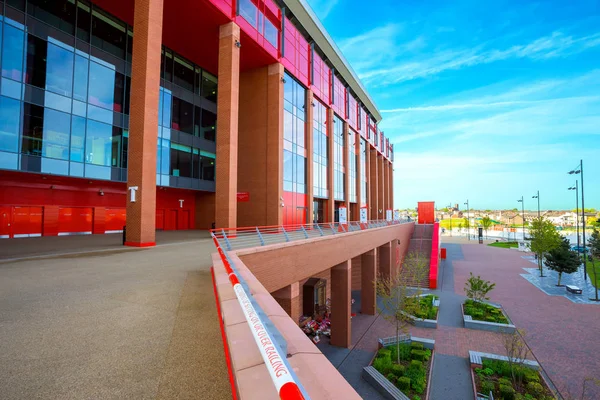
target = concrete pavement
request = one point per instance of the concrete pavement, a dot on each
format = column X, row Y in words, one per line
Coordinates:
column 113, row 324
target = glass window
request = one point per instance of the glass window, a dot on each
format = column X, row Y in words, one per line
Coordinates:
column 12, row 53
column 129, row 45
column 167, row 99
column 57, row 130
column 249, row 11
column 10, row 117
column 181, row 160
column 271, row 32
column 183, row 116
column 209, row 86
column 294, row 135
column 108, row 34
column 102, row 86
column 59, row 70
column 36, row 61
column 80, row 86
column 183, row 74
column 58, row 13
column 119, row 92
column 168, row 66
column 100, row 142
column 77, row 139
column 33, row 129
column 84, row 20
column 209, row 125
column 207, row 164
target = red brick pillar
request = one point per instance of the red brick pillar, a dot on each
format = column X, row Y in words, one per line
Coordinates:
column 368, row 278
column 346, row 131
column 391, row 185
column 275, row 74
column 341, row 284
column 309, row 155
column 289, row 299
column 330, row 202
column 373, row 183
column 357, row 151
column 385, row 261
column 227, row 127
column 143, row 121
column 380, row 187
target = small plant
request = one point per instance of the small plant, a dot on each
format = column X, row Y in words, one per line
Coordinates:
column 487, row 387
column 507, row 392
column 488, row 371
column 398, row 370
column 535, row 388
column 418, row 355
column 403, row 383
column 416, row 365
column 416, row 345
column 477, row 288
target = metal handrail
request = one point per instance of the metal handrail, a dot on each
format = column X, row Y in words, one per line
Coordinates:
column 244, row 237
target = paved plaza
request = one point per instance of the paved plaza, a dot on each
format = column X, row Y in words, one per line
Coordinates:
column 110, row 323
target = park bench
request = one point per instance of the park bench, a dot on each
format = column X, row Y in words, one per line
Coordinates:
column 573, row 289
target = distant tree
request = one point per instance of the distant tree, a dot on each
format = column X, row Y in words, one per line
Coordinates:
column 488, row 211
column 467, row 224
column 515, row 209
column 477, row 288
column 398, row 300
column 591, row 221
column 486, row 222
column 460, row 227
column 562, row 259
column 445, row 209
column 544, row 238
column 594, row 242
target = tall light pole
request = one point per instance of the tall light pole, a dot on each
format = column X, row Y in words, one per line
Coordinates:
column 468, row 222
column 576, row 189
column 579, row 170
column 538, row 199
column 523, row 215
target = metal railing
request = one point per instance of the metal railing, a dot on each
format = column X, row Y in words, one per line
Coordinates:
column 241, row 238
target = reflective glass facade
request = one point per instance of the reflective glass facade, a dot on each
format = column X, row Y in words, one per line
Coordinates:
column 352, row 166
column 294, row 136
column 363, row 171
column 320, row 150
column 64, row 98
column 338, row 159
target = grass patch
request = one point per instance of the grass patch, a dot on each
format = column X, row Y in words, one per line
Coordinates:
column 505, row 245
column 495, row 376
column 426, row 308
column 590, row 271
column 484, row 312
column 410, row 374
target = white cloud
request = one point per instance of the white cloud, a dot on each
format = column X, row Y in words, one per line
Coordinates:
column 322, row 7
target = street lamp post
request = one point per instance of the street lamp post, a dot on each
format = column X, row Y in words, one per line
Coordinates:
column 523, row 215
column 576, row 189
column 538, row 199
column 468, row 222
column 579, row 170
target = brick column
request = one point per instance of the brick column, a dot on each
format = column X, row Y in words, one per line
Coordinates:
column 289, row 299
column 391, row 185
column 347, row 170
column 380, row 188
column 385, row 261
column 274, row 160
column 330, row 202
column 357, row 150
column 227, row 128
column 373, row 182
column 341, row 283
column 309, row 155
column 368, row 278
column 385, row 188
column 368, row 175
column 143, row 121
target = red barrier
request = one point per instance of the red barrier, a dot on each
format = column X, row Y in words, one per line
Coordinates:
column 435, row 256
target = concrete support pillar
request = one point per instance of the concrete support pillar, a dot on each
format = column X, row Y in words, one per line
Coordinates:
column 380, row 187
column 289, row 299
column 385, row 261
column 368, row 279
column 309, row 155
column 373, row 183
column 145, row 84
column 227, row 128
column 347, row 171
column 341, row 284
column 330, row 202
column 395, row 254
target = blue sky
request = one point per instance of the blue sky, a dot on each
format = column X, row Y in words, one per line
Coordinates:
column 485, row 101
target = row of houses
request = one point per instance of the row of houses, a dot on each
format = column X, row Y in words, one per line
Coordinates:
column 510, row 217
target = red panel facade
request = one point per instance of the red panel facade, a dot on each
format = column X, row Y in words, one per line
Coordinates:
column 426, row 211
column 339, row 98
column 352, row 111
column 320, row 79
column 295, row 53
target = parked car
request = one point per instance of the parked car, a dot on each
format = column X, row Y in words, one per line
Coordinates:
column 580, row 248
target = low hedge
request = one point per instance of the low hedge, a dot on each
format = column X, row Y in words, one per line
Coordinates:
column 484, row 312
column 410, row 375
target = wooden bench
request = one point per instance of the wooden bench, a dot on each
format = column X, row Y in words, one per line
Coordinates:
column 573, row 289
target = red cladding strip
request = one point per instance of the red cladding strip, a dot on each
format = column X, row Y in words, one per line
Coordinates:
column 135, row 244
column 290, row 391
column 224, row 337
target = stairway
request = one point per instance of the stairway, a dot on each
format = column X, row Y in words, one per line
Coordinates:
column 420, row 244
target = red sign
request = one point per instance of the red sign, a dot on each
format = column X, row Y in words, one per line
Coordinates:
column 243, row 197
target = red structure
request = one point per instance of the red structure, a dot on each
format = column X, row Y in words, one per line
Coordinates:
column 435, row 256
column 426, row 211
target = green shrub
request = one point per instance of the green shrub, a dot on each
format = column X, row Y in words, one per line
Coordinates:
column 398, row 370
column 506, row 392
column 384, row 353
column 477, row 314
column 528, row 397
column 383, row 365
column 487, row 387
column 417, row 355
column 488, row 371
column 390, row 377
column 403, row 383
column 419, row 386
column 531, row 376
column 490, row 318
column 416, row 345
column 535, row 388
column 427, row 354
column 504, row 381
column 416, row 365
column 415, row 397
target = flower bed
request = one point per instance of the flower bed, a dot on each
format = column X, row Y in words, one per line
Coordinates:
column 480, row 311
column 495, row 376
column 410, row 375
column 426, row 308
